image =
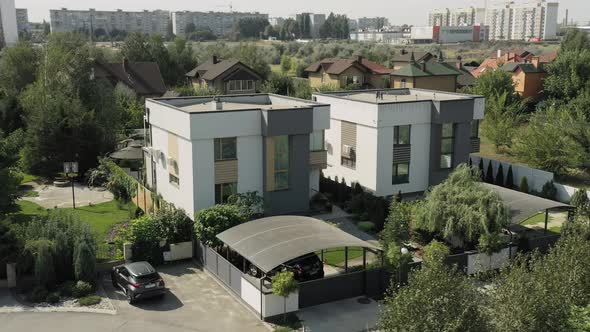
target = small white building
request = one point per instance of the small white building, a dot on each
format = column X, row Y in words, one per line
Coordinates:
column 201, row 150
column 399, row 139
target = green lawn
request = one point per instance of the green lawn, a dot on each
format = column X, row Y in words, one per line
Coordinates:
column 28, row 178
column 335, row 256
column 538, row 218
column 100, row 217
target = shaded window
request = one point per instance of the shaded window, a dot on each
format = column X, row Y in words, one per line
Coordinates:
column 225, row 148
column 403, row 83
column 401, row 173
column 348, row 158
column 281, row 149
column 475, row 129
column 175, row 180
column 401, row 135
column 223, row 191
column 316, row 141
column 447, row 145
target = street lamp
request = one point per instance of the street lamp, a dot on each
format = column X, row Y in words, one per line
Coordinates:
column 70, row 170
column 403, row 251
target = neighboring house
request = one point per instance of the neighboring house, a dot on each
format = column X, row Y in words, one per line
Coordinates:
column 430, row 75
column 404, row 58
column 203, row 149
column 225, row 76
column 527, row 70
column 356, row 71
column 399, row 139
column 144, row 78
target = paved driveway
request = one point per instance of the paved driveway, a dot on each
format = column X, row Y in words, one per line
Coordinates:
column 195, row 302
column 51, row 196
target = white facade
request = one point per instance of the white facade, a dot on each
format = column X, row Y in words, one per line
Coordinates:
column 195, row 133
column 450, row 34
column 220, row 23
column 456, row 16
column 149, row 22
column 385, row 37
column 532, row 20
column 8, row 26
column 375, row 121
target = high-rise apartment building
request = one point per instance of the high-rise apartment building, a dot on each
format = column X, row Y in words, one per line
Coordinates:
column 22, row 20
column 220, row 23
column 365, row 23
column 531, row 20
column 317, row 20
column 149, row 22
column 468, row 16
column 8, row 29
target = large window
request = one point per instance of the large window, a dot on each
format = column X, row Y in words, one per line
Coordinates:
column 316, row 141
column 240, row 85
column 225, row 148
column 401, row 135
column 447, row 145
column 475, row 129
column 223, row 191
column 401, row 173
column 281, row 148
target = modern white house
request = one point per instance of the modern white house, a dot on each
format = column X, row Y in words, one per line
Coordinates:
column 399, row 139
column 203, row 149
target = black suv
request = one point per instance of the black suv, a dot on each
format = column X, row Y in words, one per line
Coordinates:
column 304, row 268
column 138, row 280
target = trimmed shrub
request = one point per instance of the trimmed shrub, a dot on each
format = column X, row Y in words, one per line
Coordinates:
column 89, row 300
column 81, row 289
column 358, row 189
column 500, row 176
column 38, row 295
column 357, row 204
column 44, row 268
column 509, row 178
column 524, row 185
column 480, row 166
column 52, row 298
column 67, row 289
column 214, row 220
column 549, row 191
column 85, row 262
column 366, row 226
column 490, row 173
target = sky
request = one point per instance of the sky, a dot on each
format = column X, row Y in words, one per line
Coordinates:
column 399, row 12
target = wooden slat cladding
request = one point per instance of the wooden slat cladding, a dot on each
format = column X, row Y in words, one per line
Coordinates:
column 348, row 132
column 270, row 164
column 226, row 171
column 173, row 154
column 475, row 145
column 402, row 153
column 318, row 159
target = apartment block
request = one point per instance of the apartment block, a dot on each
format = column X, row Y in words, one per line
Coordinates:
column 220, row 23
column 8, row 27
column 399, row 139
column 203, row 149
column 317, row 20
column 149, row 22
column 372, row 23
column 22, row 20
column 529, row 21
column 468, row 16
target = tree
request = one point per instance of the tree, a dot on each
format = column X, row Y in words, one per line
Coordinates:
column 9, row 176
column 18, row 68
column 175, row 226
column 9, row 244
column 335, row 26
column 44, row 269
column 250, row 204
column 135, row 47
column 480, row 167
column 543, row 143
column 250, row 27
column 502, row 120
column 500, row 176
column 278, row 84
column 437, row 298
column 461, row 208
column 289, row 30
column 285, row 64
column 493, row 84
column 580, row 199
column 397, row 226
column 490, row 173
column 253, row 57
column 214, row 220
column 509, row 178
column 574, row 40
column 568, row 75
column 283, row 284
column 524, row 185
column 85, row 262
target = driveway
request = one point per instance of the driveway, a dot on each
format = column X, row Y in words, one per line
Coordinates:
column 195, row 303
column 351, row 315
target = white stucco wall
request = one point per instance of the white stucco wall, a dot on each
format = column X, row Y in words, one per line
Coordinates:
column 250, row 295
column 203, row 173
column 275, row 305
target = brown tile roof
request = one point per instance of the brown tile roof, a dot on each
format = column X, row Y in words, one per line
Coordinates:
column 338, row 65
column 418, row 56
column 142, row 77
column 210, row 71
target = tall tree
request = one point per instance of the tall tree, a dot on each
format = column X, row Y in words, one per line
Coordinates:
column 9, row 177
column 568, row 75
column 502, row 119
column 575, row 40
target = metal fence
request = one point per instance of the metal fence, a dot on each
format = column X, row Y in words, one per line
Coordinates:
column 107, row 252
column 220, row 267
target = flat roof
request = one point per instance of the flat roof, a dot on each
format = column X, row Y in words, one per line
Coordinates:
column 232, row 103
column 391, row 96
column 270, row 242
column 523, row 206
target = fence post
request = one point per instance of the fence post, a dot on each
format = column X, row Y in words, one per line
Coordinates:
column 127, row 252
column 345, row 259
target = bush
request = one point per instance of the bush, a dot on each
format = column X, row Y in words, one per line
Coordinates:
column 214, row 220
column 174, row 225
column 67, row 289
column 44, row 268
column 580, row 199
column 490, row 173
column 524, row 185
column 509, row 178
column 38, row 295
column 366, row 226
column 89, row 300
column 85, row 262
column 500, row 176
column 549, row 191
column 52, row 298
column 356, row 204
column 81, row 289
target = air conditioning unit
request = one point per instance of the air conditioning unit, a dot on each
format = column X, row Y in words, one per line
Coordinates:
column 347, row 150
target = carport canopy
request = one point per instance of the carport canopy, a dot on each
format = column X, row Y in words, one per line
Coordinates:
column 523, row 206
column 270, row 242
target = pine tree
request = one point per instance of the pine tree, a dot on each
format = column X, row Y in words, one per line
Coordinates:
column 490, row 173
column 481, row 172
column 85, row 262
column 524, row 185
column 510, row 178
column 500, row 176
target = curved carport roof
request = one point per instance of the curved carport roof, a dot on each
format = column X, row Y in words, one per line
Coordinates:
column 523, row 206
column 270, row 242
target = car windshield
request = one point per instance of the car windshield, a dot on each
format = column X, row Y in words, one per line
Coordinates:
column 147, row 277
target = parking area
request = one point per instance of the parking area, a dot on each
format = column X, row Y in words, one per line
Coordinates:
column 195, row 302
column 351, row 315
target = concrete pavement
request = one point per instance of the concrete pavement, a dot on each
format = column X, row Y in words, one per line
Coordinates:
column 51, row 196
column 343, row 316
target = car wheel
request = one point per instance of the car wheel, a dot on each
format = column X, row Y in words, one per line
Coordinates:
column 129, row 296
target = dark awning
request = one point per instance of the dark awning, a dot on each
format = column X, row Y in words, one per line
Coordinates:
column 523, row 206
column 270, row 242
